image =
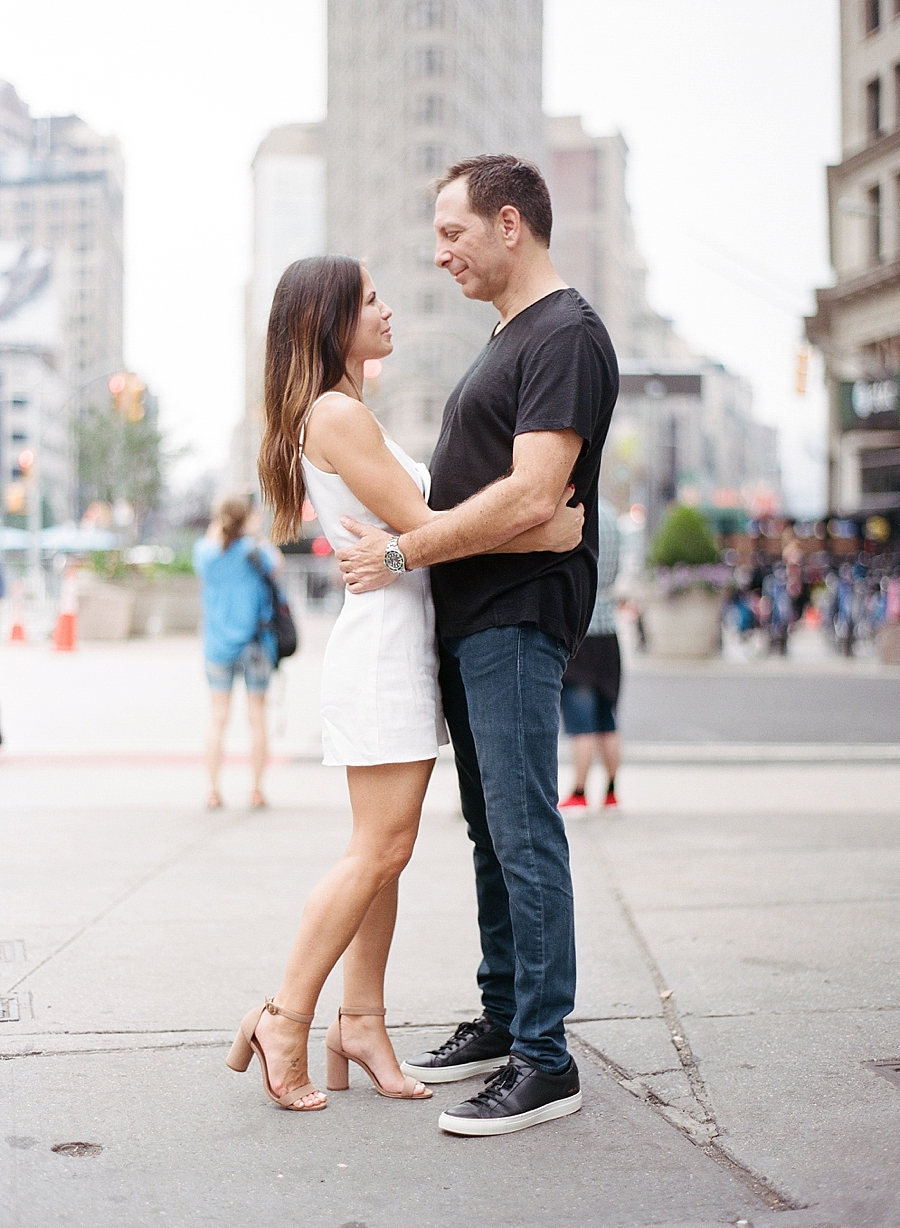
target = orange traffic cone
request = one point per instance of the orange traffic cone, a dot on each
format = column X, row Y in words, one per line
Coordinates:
column 17, row 630
column 65, row 633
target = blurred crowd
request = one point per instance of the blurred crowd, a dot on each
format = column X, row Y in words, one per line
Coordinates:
column 851, row 599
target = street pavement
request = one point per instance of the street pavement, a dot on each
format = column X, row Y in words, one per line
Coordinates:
column 737, row 931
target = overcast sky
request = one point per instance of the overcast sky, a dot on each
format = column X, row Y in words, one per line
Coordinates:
column 729, row 108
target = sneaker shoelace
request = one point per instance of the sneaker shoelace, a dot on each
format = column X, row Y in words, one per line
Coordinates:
column 496, row 1084
column 464, row 1032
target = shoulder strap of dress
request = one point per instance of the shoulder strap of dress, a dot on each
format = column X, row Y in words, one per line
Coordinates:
column 311, row 408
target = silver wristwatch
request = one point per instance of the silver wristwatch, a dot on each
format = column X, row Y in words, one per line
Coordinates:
column 393, row 557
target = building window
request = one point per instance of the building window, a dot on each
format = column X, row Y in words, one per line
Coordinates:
column 873, row 198
column 873, row 109
column 430, row 109
column 426, row 14
column 429, row 158
column 429, row 62
column 872, row 10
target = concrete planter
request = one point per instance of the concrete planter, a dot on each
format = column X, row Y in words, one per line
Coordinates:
column 165, row 605
column 180, row 604
column 888, row 640
column 685, row 626
column 105, row 611
column 137, row 606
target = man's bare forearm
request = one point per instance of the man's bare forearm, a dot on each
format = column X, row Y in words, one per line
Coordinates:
column 488, row 519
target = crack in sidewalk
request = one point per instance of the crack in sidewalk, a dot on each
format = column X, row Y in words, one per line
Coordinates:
column 669, row 1011
column 221, row 1041
column 696, row 1132
column 704, row 1134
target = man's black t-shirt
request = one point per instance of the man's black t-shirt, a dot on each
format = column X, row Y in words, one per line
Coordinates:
column 551, row 368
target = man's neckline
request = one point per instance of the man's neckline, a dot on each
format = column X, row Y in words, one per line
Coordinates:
column 501, row 328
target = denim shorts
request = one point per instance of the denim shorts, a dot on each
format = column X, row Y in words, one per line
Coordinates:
column 586, row 710
column 253, row 662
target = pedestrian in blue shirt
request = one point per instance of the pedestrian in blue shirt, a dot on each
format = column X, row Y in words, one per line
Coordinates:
column 237, row 632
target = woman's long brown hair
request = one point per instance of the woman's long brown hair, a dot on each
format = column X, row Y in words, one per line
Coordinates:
column 312, row 324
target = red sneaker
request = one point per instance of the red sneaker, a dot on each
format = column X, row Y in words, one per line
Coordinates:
column 611, row 800
column 576, row 800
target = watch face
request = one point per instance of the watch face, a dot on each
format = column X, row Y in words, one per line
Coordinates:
column 394, row 560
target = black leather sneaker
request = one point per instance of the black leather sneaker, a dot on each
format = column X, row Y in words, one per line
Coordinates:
column 473, row 1049
column 514, row 1098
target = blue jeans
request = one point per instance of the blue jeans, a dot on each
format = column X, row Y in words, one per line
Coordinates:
column 501, row 692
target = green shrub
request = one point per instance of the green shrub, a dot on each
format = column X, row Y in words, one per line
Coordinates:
column 683, row 538
column 109, row 564
column 181, row 565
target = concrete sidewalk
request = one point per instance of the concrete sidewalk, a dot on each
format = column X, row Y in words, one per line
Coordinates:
column 737, row 929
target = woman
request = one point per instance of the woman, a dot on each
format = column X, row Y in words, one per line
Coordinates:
column 237, row 608
column 381, row 711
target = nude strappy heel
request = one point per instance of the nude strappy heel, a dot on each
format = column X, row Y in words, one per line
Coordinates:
column 246, row 1044
column 338, row 1065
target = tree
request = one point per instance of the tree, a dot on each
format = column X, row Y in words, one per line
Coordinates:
column 120, row 459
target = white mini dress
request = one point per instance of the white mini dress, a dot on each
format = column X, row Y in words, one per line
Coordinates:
column 380, row 697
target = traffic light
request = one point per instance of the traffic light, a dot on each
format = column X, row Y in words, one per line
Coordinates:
column 127, row 391
column 802, row 369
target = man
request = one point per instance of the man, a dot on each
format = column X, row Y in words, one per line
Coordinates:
column 531, row 413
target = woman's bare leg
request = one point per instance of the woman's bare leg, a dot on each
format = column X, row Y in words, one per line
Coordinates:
column 220, row 702
column 365, row 961
column 387, row 804
column 259, row 743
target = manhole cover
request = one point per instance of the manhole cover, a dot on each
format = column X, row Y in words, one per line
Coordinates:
column 77, row 1149
column 888, row 1069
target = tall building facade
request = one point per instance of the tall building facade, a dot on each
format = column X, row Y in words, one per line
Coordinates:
column 413, row 86
column 684, row 431
column 61, row 189
column 683, row 427
column 857, row 322
column 288, row 225
column 594, row 246
column 35, row 442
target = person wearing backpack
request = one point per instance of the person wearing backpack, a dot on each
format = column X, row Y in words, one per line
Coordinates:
column 240, row 611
